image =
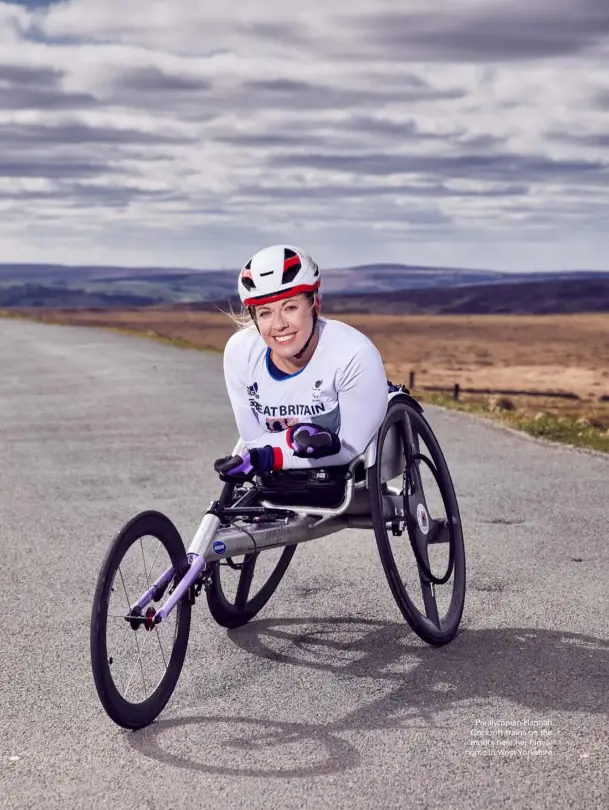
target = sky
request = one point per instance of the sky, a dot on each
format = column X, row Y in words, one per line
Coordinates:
column 468, row 133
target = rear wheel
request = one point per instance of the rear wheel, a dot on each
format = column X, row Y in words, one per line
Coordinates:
column 416, row 521
column 239, row 588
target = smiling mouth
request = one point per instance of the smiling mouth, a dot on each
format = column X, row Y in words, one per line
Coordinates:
column 285, row 338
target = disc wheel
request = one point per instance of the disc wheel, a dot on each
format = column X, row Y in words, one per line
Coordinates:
column 136, row 663
column 409, row 525
column 239, row 588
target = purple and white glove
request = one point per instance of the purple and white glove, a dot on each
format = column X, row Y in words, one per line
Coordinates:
column 259, row 460
column 311, row 441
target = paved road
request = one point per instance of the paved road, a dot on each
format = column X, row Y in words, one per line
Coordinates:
column 326, row 699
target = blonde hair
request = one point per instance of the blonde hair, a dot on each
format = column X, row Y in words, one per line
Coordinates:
column 242, row 320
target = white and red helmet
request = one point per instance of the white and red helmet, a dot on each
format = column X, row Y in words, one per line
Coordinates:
column 277, row 272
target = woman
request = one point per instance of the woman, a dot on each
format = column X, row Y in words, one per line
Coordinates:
column 306, row 391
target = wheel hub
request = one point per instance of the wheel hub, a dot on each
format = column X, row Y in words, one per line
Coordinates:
column 422, row 518
column 149, row 621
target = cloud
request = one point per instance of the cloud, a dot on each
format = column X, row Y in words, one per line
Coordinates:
column 487, row 32
column 53, row 168
column 77, row 133
column 497, row 167
column 466, row 132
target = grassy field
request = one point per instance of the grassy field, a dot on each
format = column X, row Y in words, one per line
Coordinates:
column 568, row 353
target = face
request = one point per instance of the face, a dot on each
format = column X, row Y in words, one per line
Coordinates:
column 286, row 325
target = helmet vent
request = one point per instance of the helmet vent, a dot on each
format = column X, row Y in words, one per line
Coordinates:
column 291, row 265
column 291, row 273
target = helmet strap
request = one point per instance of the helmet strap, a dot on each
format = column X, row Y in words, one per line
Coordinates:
column 310, row 338
column 253, row 317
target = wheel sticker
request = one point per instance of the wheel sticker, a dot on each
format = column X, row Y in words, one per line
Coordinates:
column 422, row 518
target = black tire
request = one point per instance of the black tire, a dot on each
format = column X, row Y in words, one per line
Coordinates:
column 121, row 711
column 434, row 630
column 243, row 609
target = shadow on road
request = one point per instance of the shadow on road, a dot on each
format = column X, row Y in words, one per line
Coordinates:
column 541, row 671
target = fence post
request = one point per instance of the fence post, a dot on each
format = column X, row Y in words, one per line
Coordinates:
column 456, row 392
column 411, row 381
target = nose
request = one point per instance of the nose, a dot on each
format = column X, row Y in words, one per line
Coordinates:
column 279, row 321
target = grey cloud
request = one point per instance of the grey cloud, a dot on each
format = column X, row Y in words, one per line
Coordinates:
column 74, row 151
column 23, row 195
column 408, row 130
column 482, row 141
column 113, row 197
column 270, row 141
column 305, row 95
column 599, row 140
column 153, row 80
column 25, row 87
column 285, row 33
column 75, row 194
column 342, row 134
column 473, row 166
column 22, row 137
column 412, row 216
column 320, row 192
column 601, row 99
column 496, row 34
column 188, row 97
column 357, row 130
column 375, row 126
column 32, row 4
column 29, row 75
column 54, row 168
column 17, row 98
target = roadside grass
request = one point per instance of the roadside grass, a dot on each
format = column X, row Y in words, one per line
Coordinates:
column 578, row 431
column 151, row 334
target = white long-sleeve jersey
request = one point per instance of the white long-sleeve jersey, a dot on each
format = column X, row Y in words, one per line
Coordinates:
column 343, row 388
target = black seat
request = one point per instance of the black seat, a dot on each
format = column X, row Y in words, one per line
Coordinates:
column 323, row 486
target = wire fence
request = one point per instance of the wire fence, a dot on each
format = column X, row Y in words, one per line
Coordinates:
column 457, row 389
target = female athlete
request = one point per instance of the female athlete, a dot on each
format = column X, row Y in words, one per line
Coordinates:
column 306, row 391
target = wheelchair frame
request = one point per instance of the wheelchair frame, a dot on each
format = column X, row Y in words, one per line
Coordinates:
column 286, row 524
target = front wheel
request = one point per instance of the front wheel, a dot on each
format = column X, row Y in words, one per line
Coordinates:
column 136, row 663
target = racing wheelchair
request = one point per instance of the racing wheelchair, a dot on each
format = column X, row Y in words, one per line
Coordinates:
column 382, row 490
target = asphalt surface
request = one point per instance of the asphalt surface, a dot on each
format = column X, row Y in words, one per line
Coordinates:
column 326, row 699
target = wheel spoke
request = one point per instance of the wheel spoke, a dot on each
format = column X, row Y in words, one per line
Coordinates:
column 245, row 581
column 428, row 590
column 121, row 642
column 439, row 532
column 139, row 661
column 158, row 636
column 149, row 571
column 125, row 589
column 411, row 448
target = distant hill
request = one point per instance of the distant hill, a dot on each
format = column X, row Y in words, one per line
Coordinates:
column 39, row 295
column 527, row 297
column 389, row 288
